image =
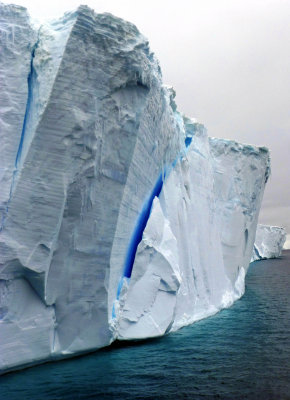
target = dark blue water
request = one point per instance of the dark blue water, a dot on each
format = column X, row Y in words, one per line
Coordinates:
column 240, row 353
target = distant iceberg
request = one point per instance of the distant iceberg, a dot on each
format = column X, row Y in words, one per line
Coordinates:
column 120, row 218
column 269, row 242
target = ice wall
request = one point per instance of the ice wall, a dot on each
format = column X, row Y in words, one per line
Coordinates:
column 118, row 217
column 197, row 244
column 240, row 173
column 97, row 128
column 269, row 242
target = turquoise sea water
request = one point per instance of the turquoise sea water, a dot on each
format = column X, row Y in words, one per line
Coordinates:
column 241, row 353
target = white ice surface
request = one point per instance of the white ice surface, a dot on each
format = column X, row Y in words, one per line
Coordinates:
column 99, row 128
column 269, row 242
column 197, row 244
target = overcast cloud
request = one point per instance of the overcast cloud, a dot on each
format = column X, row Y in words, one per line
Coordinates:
column 229, row 61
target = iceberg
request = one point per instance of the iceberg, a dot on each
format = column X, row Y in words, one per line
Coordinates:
column 120, row 218
column 269, row 242
column 198, row 241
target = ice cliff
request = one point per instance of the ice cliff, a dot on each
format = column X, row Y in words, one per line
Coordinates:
column 120, row 218
column 269, row 242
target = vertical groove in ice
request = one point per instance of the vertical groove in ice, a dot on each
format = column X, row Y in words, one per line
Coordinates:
column 143, row 219
column 30, row 80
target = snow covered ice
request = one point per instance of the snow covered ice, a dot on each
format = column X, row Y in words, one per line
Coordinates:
column 119, row 217
column 269, row 242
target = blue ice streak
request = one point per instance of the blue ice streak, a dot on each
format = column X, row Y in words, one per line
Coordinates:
column 143, row 219
column 30, row 80
column 137, row 234
column 142, row 222
column 140, row 226
column 188, row 140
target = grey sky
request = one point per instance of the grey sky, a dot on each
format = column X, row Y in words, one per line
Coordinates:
column 229, row 62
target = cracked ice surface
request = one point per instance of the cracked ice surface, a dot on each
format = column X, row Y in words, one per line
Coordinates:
column 91, row 144
column 269, row 242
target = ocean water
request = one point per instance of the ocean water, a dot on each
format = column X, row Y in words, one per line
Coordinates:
column 240, row 353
